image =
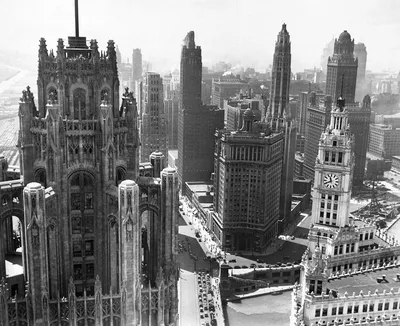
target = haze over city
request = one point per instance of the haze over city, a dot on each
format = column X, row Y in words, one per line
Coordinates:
column 236, row 31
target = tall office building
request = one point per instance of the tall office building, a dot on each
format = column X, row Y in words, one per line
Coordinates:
column 171, row 107
column 360, row 52
column 153, row 125
column 196, row 122
column 359, row 120
column 280, row 118
column 137, row 69
column 89, row 256
column 318, row 117
column 248, row 166
column 341, row 75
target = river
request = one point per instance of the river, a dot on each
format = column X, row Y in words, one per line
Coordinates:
column 266, row 310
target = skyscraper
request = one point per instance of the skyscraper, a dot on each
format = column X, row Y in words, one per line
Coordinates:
column 360, row 52
column 281, row 75
column 89, row 255
column 153, row 129
column 280, row 118
column 341, row 81
column 196, row 122
column 318, row 117
column 137, row 69
column 248, row 166
column 341, row 75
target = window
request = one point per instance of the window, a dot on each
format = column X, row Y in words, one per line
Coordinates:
column 75, row 201
column 77, row 248
column 340, row 310
column 312, row 285
column 371, row 307
column 340, row 157
column 324, row 311
column 319, row 287
column 334, row 311
column 386, row 305
column 352, row 247
column 88, row 200
column 333, row 157
column 90, row 270
column 79, row 102
column 317, row 312
column 356, row 309
column 395, row 304
column 349, row 309
column 336, row 197
column 361, row 237
column 365, row 307
column 89, row 247
column 77, row 271
column 380, row 306
column 340, row 249
column 371, row 235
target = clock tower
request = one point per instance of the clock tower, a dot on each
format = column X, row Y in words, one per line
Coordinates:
column 333, row 176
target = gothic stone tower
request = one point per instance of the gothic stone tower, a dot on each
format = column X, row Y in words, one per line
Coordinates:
column 279, row 117
column 97, row 233
column 342, row 64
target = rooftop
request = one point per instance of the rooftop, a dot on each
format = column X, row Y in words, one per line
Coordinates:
column 367, row 281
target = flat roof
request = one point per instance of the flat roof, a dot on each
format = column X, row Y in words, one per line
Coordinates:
column 198, row 186
column 367, row 281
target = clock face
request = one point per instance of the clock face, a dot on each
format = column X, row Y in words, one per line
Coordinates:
column 331, row 180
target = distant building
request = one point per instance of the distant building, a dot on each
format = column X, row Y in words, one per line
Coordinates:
column 153, row 124
column 205, row 93
column 341, row 78
column 226, row 87
column 360, row 52
column 137, row 69
column 196, row 122
column 171, row 107
column 302, row 113
column 384, row 141
column 318, row 117
column 247, row 182
column 234, row 109
column 388, row 119
column 359, row 121
column 326, row 53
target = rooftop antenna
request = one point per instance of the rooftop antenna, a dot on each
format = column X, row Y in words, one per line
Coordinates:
column 76, row 19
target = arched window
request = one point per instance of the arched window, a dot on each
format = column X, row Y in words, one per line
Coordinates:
column 110, row 164
column 79, row 102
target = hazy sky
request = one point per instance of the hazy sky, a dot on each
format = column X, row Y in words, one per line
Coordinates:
column 238, row 31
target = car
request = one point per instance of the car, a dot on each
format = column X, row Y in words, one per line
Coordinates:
column 244, row 266
column 206, row 315
column 201, row 316
column 232, row 261
column 292, row 237
column 253, row 266
column 261, row 266
column 237, row 267
column 260, row 261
